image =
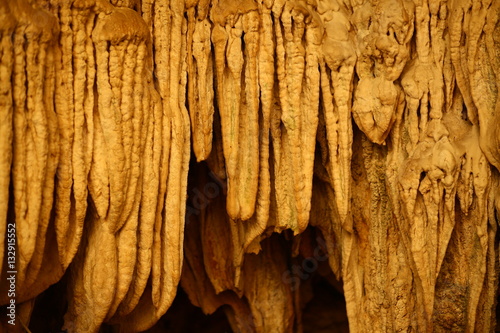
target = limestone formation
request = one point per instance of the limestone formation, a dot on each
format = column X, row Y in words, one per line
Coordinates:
column 243, row 149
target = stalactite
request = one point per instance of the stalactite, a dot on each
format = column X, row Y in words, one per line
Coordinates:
column 6, row 101
column 244, row 150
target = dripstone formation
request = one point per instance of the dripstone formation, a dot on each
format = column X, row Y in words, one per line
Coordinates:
column 237, row 151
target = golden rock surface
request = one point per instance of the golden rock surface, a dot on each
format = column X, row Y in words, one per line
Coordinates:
column 366, row 132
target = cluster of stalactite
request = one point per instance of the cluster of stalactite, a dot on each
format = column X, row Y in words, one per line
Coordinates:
column 367, row 132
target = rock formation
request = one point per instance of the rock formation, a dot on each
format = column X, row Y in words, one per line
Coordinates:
column 236, row 148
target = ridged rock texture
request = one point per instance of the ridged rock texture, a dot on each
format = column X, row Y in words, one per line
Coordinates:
column 232, row 150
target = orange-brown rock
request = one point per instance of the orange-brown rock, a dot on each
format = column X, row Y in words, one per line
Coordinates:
column 270, row 158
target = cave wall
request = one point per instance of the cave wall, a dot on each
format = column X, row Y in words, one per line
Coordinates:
column 366, row 132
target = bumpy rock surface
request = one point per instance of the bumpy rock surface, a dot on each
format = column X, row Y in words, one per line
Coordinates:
column 366, row 132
